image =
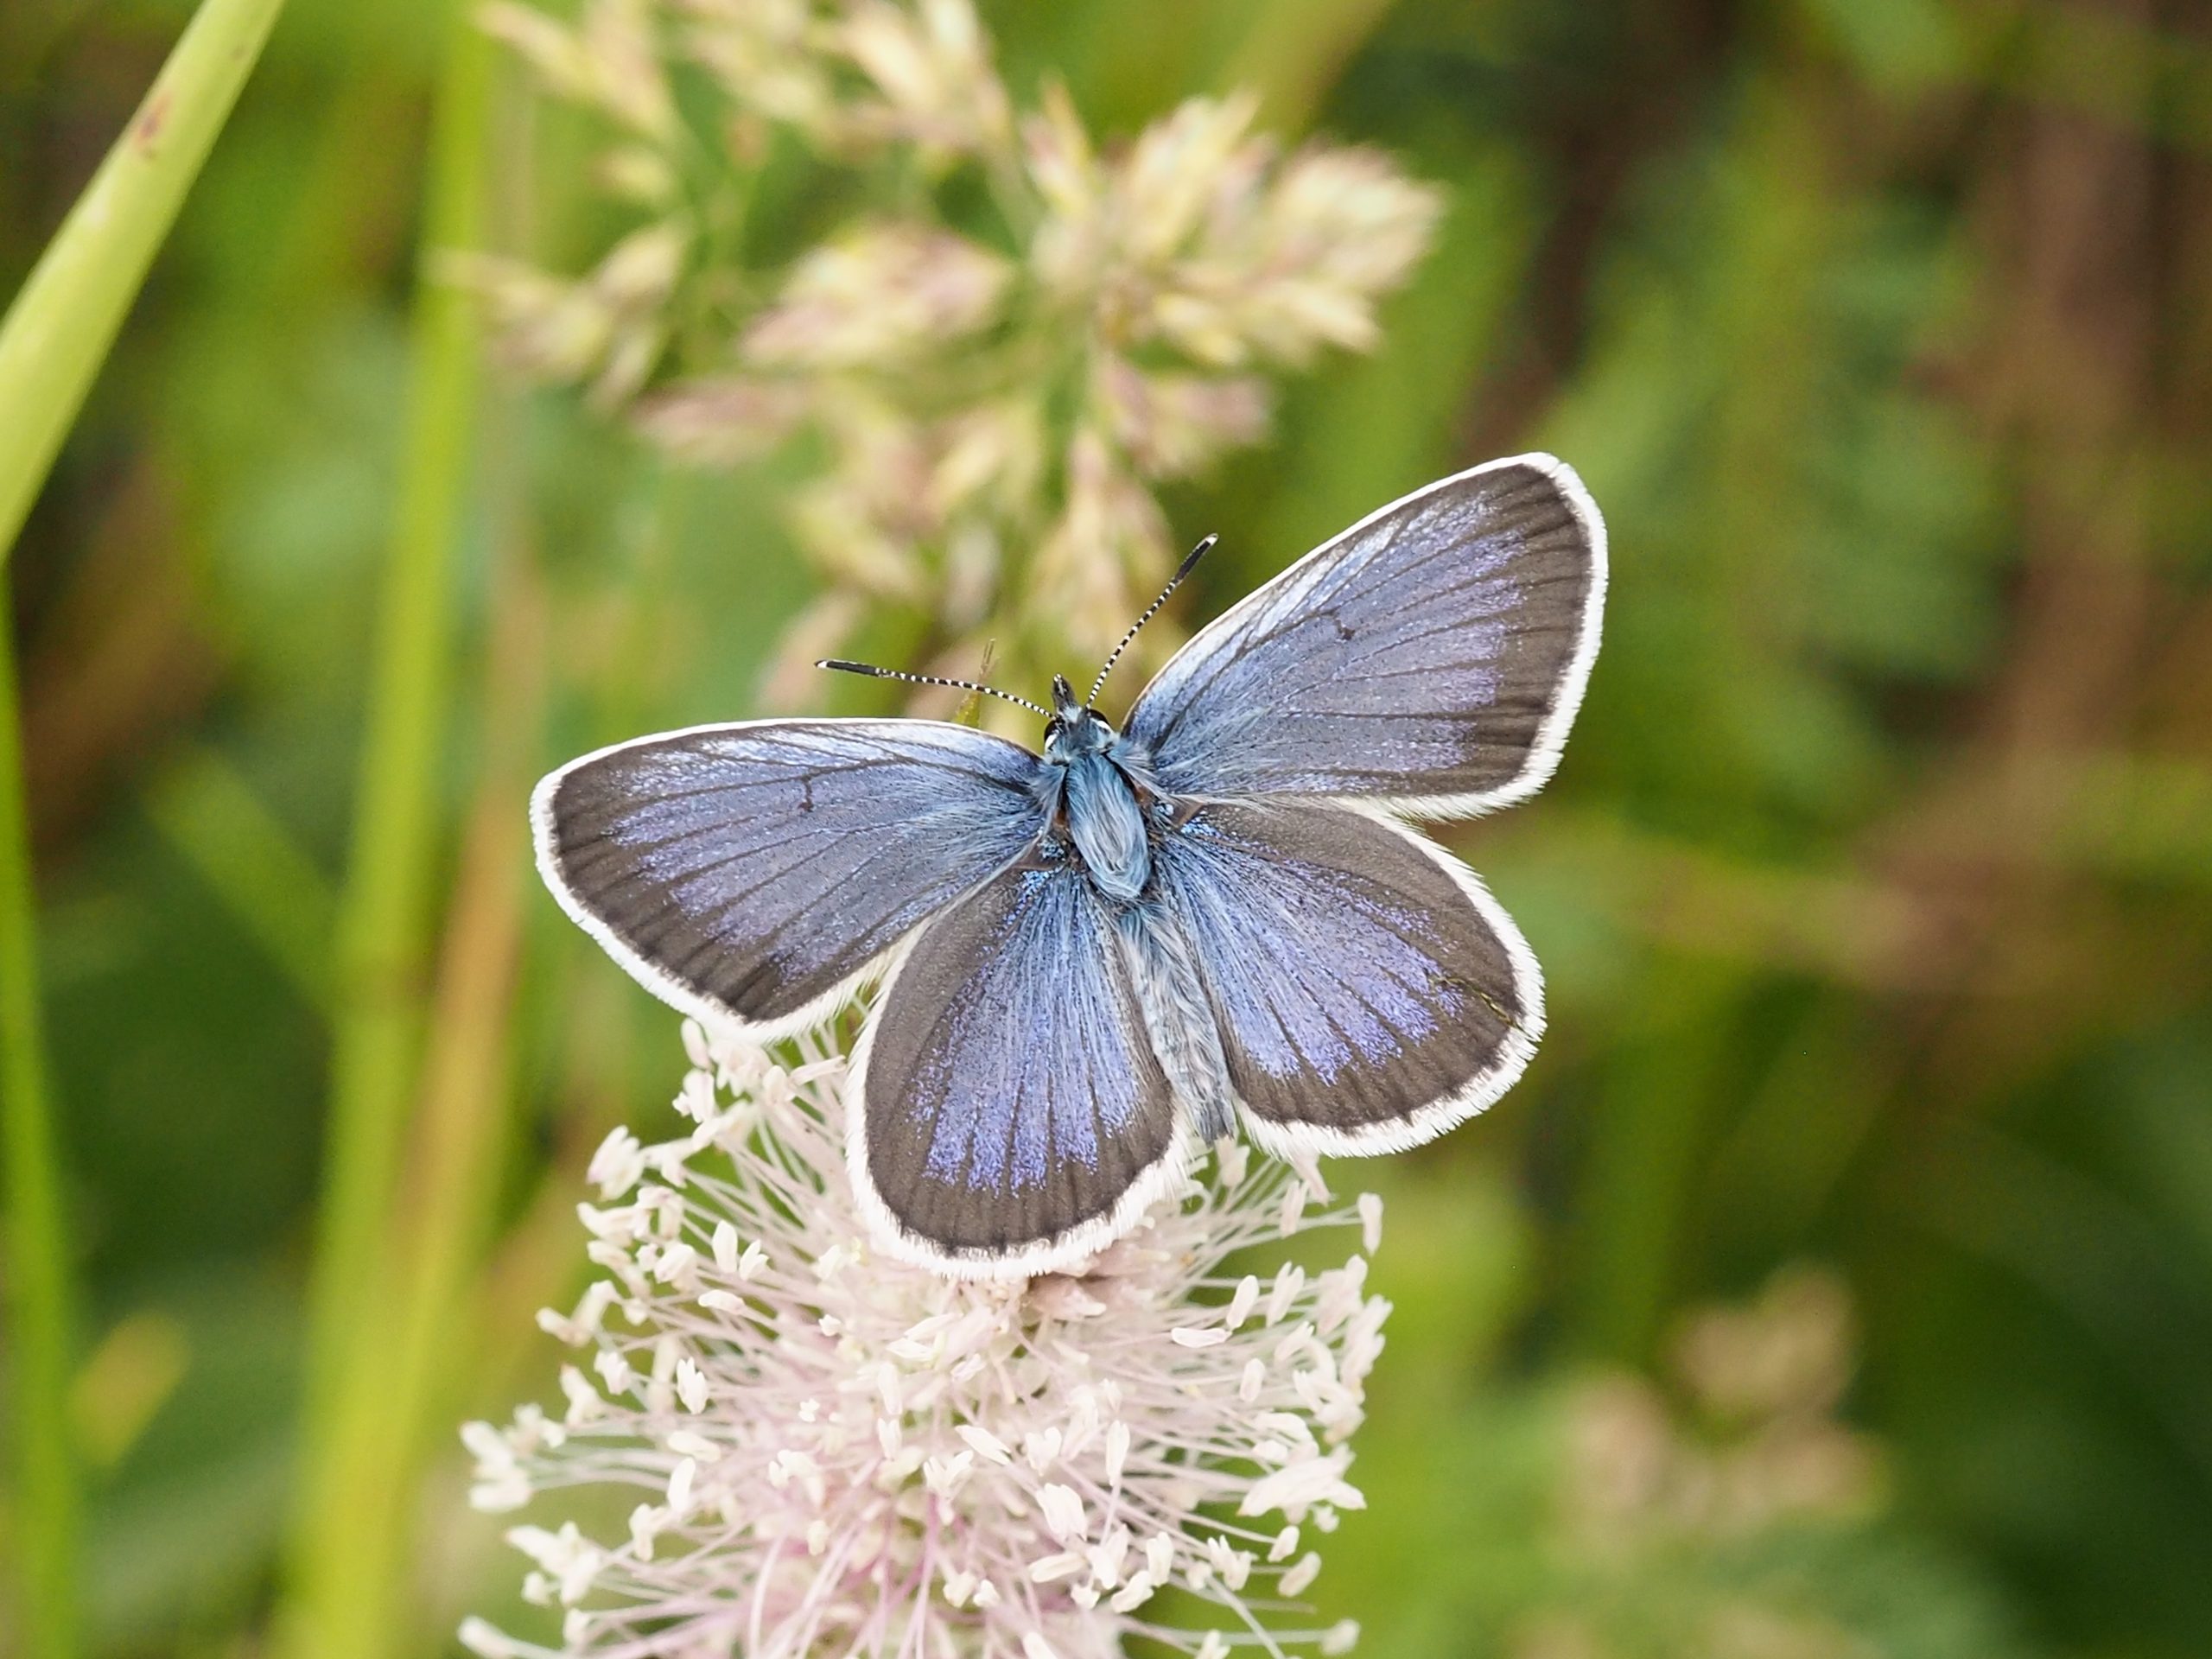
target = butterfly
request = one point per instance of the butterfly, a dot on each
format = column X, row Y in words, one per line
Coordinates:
column 1096, row 959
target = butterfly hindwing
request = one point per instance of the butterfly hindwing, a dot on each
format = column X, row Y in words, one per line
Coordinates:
column 1369, row 992
column 751, row 874
column 1429, row 659
column 1011, row 1115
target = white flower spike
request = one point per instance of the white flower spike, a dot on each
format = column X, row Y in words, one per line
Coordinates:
column 836, row 1452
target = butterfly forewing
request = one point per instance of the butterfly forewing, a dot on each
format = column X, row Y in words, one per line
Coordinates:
column 752, row 872
column 1430, row 658
column 1012, row 1114
column 1369, row 992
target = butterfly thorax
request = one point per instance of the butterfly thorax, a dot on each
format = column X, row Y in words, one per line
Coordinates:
column 1099, row 806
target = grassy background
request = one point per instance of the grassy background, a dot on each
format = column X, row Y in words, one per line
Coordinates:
column 1875, row 892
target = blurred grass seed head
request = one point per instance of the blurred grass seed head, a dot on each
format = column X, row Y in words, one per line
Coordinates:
column 1021, row 380
column 1722, row 1509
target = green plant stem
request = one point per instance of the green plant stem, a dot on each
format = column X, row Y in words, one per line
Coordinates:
column 467, row 1084
column 342, row 1601
column 1294, row 52
column 60, row 328
column 37, row 1266
column 53, row 340
column 401, row 1403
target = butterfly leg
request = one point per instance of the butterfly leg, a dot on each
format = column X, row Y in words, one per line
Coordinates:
column 1177, row 1017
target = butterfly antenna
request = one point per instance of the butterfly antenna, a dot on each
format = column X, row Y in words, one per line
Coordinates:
column 876, row 673
column 1190, row 564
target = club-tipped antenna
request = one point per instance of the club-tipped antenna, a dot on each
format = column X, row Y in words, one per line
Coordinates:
column 874, row 673
column 1190, row 564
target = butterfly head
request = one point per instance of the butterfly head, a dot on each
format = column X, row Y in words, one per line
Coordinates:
column 1073, row 729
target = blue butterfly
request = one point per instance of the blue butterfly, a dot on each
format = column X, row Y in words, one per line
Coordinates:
column 1096, row 959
